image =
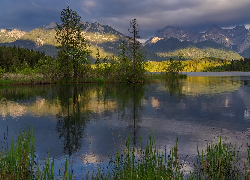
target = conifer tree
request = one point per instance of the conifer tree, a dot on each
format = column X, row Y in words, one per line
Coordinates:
column 73, row 47
column 137, row 53
column 134, row 29
column 98, row 59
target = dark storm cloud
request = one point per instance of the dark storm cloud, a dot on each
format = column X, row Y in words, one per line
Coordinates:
column 152, row 15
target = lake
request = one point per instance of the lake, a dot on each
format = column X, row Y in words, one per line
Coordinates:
column 86, row 122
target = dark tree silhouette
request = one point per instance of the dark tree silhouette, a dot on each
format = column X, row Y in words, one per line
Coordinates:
column 73, row 45
column 134, row 29
column 138, row 55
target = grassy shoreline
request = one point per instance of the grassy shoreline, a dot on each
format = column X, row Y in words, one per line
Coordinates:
column 116, row 73
column 37, row 79
column 216, row 161
column 149, row 77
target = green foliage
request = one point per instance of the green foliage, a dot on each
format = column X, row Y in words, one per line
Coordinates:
column 196, row 53
column 130, row 63
column 25, row 68
column 6, row 81
column 220, row 161
column 1, row 71
column 174, row 67
column 137, row 54
column 196, row 65
column 49, row 68
column 124, row 67
column 234, row 65
column 204, row 64
column 153, row 66
column 14, row 59
column 73, row 46
column 19, row 161
column 138, row 163
column 128, row 67
column 97, row 62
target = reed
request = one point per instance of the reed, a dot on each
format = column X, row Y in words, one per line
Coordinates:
column 138, row 163
column 217, row 161
column 20, row 162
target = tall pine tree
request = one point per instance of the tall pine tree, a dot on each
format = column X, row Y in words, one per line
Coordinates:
column 73, row 47
column 138, row 55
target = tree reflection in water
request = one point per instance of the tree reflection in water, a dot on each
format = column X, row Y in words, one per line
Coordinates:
column 78, row 101
column 129, row 99
column 71, row 122
column 174, row 86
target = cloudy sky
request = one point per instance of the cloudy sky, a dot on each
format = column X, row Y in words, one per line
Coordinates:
column 152, row 15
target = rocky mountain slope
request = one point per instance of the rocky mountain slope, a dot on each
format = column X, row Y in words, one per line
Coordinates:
column 103, row 37
column 236, row 39
column 164, row 43
column 10, row 35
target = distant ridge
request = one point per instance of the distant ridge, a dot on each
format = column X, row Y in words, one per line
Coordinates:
column 42, row 39
column 236, row 39
column 165, row 42
column 52, row 25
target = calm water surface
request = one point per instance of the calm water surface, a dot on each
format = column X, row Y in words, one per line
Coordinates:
column 86, row 122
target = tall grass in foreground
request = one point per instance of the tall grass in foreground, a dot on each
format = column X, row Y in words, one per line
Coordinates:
column 217, row 161
column 138, row 163
column 20, row 162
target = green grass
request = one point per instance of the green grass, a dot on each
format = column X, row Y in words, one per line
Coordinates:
column 217, row 161
column 6, row 81
column 133, row 163
column 19, row 161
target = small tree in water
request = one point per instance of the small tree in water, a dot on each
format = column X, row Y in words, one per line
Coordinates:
column 73, row 46
column 175, row 67
column 138, row 55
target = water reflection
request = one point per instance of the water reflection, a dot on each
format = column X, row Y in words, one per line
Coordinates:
column 196, row 86
column 68, row 119
column 73, row 118
column 174, row 86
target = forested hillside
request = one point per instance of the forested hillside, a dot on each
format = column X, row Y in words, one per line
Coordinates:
column 196, row 53
column 13, row 59
column 172, row 47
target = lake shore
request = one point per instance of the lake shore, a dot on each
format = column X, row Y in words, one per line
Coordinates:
column 202, row 74
column 36, row 79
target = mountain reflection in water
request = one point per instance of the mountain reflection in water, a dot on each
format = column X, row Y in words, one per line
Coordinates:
column 88, row 121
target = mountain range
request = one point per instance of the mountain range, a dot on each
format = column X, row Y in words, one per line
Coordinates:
column 236, row 39
column 166, row 43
